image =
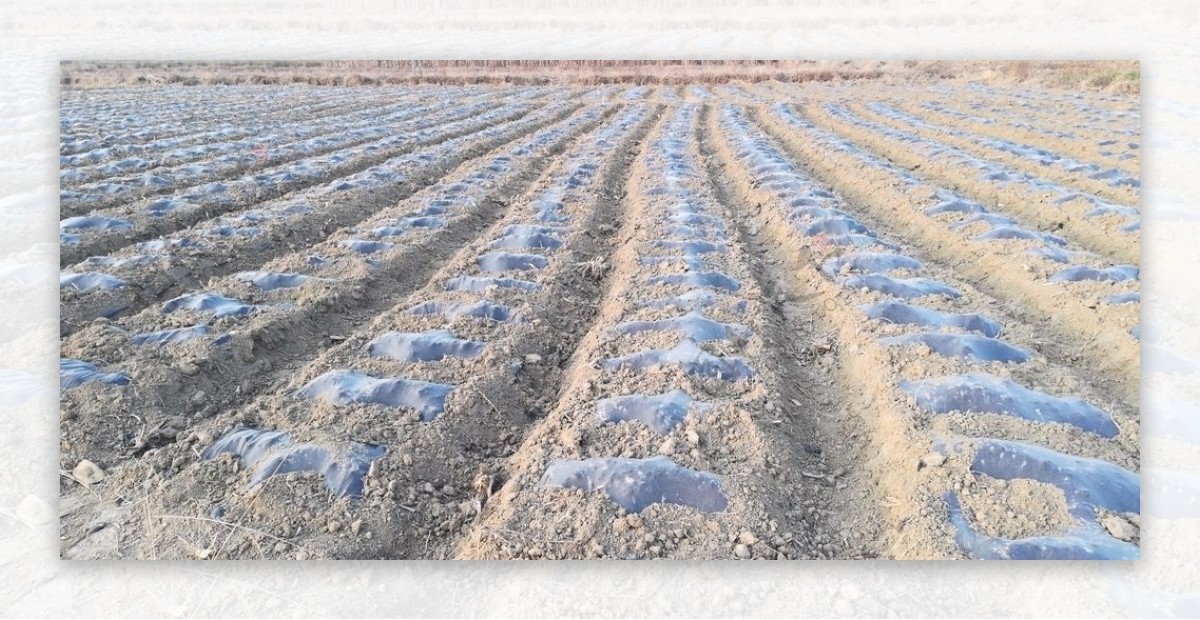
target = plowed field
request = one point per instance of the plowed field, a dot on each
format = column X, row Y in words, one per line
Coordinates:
column 768, row 321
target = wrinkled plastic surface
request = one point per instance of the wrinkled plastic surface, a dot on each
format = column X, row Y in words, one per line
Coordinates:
column 982, row 393
column 519, row 236
column 905, row 314
column 272, row 453
column 858, row 241
column 695, row 279
column 1087, row 542
column 968, row 346
column 835, row 226
column 904, row 288
column 1087, row 483
column 93, row 222
column 477, row 284
column 1050, row 252
column 429, row 346
column 499, row 262
column 344, row 387
column 991, row 219
column 954, row 206
column 1012, row 232
column 869, row 262
column 635, row 484
column 688, row 356
column 661, row 413
column 692, row 246
column 1124, row 298
column 74, row 373
column 366, row 247
column 218, row 305
column 477, row 310
column 170, row 336
column 1119, row 273
column 694, row 325
column 270, row 281
column 88, row 281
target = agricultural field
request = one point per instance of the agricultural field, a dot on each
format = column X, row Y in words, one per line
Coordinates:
column 852, row 319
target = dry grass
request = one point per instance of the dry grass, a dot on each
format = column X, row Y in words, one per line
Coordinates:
column 528, row 72
column 1121, row 76
column 1113, row 76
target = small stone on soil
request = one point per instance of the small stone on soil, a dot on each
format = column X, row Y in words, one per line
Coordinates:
column 88, row 473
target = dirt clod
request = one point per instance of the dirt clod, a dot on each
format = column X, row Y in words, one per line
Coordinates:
column 88, row 473
column 1120, row 527
column 933, row 459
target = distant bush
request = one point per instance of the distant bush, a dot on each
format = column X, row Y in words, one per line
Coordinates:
column 1102, row 80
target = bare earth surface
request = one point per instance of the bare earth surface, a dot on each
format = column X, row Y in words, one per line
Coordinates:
column 747, row 321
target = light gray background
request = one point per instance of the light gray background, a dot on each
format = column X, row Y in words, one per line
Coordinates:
column 34, row 37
